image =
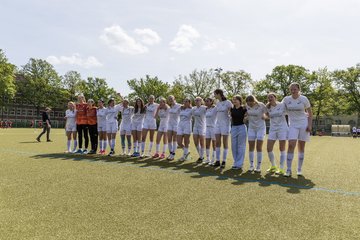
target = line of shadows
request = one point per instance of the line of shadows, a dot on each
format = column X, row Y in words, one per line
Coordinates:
column 196, row 171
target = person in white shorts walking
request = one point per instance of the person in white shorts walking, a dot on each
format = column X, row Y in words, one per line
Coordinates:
column 279, row 129
column 300, row 125
column 149, row 123
column 256, row 130
column 162, row 112
column 199, row 114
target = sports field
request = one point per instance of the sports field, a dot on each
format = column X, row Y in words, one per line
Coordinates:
column 46, row 194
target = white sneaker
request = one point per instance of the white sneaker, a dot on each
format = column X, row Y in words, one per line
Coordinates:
column 288, row 173
column 251, row 169
column 299, row 173
column 257, row 170
column 207, row 161
column 182, row 159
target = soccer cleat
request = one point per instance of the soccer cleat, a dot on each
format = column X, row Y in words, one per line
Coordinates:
column 156, row 155
column 288, row 173
column 133, row 155
column 223, row 163
column 111, row 153
column 48, row 140
column 85, row 151
column 200, row 160
column 182, row 159
column 236, row 168
column 257, row 170
column 92, row 152
column 251, row 169
column 299, row 173
column 38, row 139
column 170, row 156
column 216, row 164
column 207, row 161
column 79, row 151
column 272, row 169
column 162, row 156
column 280, row 172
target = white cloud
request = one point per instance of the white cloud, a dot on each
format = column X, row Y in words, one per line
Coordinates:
column 219, row 45
column 116, row 38
column 76, row 60
column 184, row 39
column 148, row 36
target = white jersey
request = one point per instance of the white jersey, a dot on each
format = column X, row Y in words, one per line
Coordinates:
column 164, row 116
column 138, row 117
column 101, row 115
column 277, row 116
column 185, row 116
column 199, row 114
column 112, row 113
column 127, row 115
column 354, row 129
column 70, row 117
column 222, row 110
column 255, row 115
column 174, row 113
column 150, row 111
column 296, row 110
column 211, row 117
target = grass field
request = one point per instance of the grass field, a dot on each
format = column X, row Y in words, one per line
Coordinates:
column 46, row 194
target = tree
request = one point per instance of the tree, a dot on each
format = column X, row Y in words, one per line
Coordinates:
column 198, row 83
column 144, row 87
column 177, row 89
column 40, row 84
column 236, row 83
column 7, row 80
column 348, row 82
column 280, row 79
column 97, row 88
column 73, row 84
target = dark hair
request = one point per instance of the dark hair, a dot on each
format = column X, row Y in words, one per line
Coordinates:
column 268, row 105
column 142, row 108
column 101, row 100
column 110, row 100
column 210, row 99
column 238, row 97
column 221, row 92
column 187, row 100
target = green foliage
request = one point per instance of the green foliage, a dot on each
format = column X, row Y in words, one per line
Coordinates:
column 178, row 91
column 40, row 84
column 144, row 87
column 236, row 83
column 73, row 84
column 97, row 88
column 7, row 79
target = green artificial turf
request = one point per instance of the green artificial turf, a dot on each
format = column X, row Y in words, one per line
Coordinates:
column 47, row 194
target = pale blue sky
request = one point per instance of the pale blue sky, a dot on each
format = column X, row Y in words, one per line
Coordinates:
column 120, row 40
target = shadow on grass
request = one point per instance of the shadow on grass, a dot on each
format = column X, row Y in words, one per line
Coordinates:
column 196, row 171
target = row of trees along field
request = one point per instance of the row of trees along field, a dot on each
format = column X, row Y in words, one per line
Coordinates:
column 330, row 92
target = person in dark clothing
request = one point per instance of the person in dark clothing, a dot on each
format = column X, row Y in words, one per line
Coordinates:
column 46, row 125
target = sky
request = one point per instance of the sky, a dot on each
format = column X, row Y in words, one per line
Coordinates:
column 121, row 40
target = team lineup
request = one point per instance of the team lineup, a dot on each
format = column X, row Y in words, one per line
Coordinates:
column 212, row 121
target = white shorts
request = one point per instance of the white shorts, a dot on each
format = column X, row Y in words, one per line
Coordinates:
column 199, row 131
column 256, row 134
column 112, row 127
column 150, row 124
column 210, row 133
column 172, row 126
column 125, row 129
column 223, row 129
column 137, row 126
column 70, row 128
column 163, row 127
column 296, row 133
column 279, row 134
column 101, row 127
column 184, row 129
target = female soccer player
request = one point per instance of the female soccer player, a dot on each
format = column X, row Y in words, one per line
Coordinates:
column 101, row 125
column 149, row 123
column 300, row 124
column 127, row 113
column 199, row 114
column 222, row 126
column 137, row 125
column 238, row 132
column 184, row 128
column 163, row 113
column 210, row 130
column 70, row 126
column 112, row 113
column 257, row 130
column 174, row 113
column 81, row 124
column 276, row 111
column 92, row 125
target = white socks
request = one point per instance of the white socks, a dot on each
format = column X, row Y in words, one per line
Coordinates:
column 272, row 158
column 174, row 147
column 135, row 146
column 68, row 145
column 207, row 154
column 259, row 160
column 300, row 161
column 186, row 151
column 157, row 148
column 225, row 152
column 251, row 159
column 217, row 154
column 150, row 146
column 75, row 145
column 170, row 147
column 164, row 148
column 142, row 147
column 282, row 159
column 290, row 157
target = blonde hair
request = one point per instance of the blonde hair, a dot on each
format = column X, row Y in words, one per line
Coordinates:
column 251, row 98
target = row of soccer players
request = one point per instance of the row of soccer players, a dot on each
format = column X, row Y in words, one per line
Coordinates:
column 213, row 124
